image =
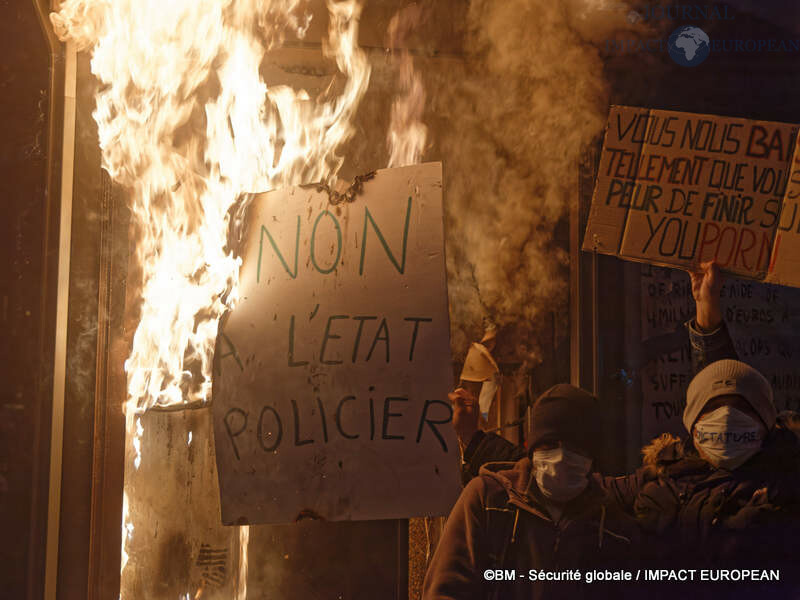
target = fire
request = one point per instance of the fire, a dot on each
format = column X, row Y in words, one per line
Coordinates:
column 407, row 133
column 241, row 581
column 127, row 532
column 189, row 126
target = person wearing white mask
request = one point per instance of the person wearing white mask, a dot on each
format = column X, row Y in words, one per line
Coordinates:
column 544, row 513
column 728, row 495
column 729, row 410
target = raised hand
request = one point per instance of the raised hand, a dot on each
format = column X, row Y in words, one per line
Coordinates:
column 466, row 413
column 706, row 287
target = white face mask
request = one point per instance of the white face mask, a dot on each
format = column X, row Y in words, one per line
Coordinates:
column 728, row 437
column 560, row 474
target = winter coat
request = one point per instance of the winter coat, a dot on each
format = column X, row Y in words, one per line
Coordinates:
column 696, row 516
column 486, row 448
column 702, row 517
column 501, row 522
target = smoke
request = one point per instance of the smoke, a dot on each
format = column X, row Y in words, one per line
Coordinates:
column 516, row 117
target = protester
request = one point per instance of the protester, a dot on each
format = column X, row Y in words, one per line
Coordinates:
column 477, row 447
column 708, row 334
column 728, row 496
column 708, row 337
column 544, row 513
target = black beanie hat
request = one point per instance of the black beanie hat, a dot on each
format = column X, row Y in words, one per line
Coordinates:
column 567, row 414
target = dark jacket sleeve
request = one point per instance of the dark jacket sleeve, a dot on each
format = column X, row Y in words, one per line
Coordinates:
column 709, row 347
column 485, row 448
column 623, row 490
column 456, row 570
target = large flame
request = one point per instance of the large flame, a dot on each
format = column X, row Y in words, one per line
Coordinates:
column 407, row 133
column 189, row 126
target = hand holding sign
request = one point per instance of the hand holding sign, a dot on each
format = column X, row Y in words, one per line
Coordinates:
column 465, row 414
column 706, row 287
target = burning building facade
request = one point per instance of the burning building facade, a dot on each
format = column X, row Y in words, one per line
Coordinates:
column 180, row 112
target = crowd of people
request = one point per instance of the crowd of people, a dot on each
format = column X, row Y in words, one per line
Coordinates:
column 716, row 514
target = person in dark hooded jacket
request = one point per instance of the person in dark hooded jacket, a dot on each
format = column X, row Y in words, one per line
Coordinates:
column 477, row 447
column 541, row 517
column 727, row 497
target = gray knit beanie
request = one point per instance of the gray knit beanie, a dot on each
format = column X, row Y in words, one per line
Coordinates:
column 729, row 377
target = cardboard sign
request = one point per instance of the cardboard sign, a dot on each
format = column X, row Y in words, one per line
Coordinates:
column 678, row 189
column 763, row 321
column 332, row 372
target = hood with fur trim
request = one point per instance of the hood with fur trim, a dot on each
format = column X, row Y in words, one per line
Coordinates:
column 668, row 449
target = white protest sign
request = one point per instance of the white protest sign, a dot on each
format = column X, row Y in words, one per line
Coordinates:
column 332, row 372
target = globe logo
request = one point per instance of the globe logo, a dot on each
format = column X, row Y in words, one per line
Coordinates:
column 689, row 46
